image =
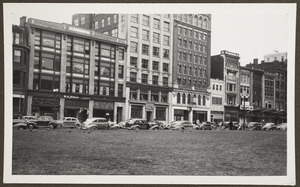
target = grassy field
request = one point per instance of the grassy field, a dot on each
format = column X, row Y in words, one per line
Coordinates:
column 124, row 152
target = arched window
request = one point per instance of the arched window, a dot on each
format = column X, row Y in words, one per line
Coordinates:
column 178, row 98
column 195, row 20
column 200, row 22
column 203, row 101
column 190, row 19
column 205, row 23
column 185, row 17
column 180, row 17
column 183, row 98
column 199, row 100
column 189, row 99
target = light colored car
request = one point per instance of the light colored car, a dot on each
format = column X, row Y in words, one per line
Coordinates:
column 269, row 126
column 205, row 126
column 22, row 119
column 254, row 125
column 41, row 121
column 183, row 125
column 132, row 121
column 282, row 126
column 95, row 123
column 69, row 122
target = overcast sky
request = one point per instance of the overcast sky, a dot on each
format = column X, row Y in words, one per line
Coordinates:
column 251, row 31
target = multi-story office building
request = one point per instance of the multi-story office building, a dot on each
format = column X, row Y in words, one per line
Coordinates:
column 74, row 70
column 246, row 96
column 191, row 67
column 149, row 61
column 279, row 56
column 217, row 100
column 268, row 99
column 226, row 66
column 20, row 69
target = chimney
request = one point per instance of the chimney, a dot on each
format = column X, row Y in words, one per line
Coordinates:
column 255, row 61
column 262, row 61
column 22, row 21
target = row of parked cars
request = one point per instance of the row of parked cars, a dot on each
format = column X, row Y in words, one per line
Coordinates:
column 32, row 122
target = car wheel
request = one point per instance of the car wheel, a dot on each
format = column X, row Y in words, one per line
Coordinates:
column 51, row 126
column 21, row 128
column 77, row 126
column 94, row 128
column 30, row 126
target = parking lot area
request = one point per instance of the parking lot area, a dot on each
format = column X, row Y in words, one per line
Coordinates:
column 143, row 152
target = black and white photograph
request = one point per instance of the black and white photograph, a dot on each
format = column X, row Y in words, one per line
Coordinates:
column 149, row 93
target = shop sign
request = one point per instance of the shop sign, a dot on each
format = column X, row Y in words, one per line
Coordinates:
column 45, row 101
column 71, row 96
column 76, row 103
column 104, row 105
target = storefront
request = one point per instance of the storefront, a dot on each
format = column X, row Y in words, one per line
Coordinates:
column 181, row 114
column 231, row 113
column 45, row 106
column 76, row 108
column 217, row 116
column 104, row 109
column 200, row 116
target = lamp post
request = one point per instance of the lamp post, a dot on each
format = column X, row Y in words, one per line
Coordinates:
column 55, row 90
column 244, row 96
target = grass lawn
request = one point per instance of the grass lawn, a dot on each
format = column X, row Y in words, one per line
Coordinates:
column 124, row 152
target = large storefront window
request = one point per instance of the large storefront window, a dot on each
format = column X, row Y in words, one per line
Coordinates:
column 49, row 82
column 160, row 113
column 154, row 96
column 136, row 111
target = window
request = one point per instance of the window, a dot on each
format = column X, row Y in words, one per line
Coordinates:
column 96, row 25
column 156, row 51
column 134, row 18
column 203, row 100
column 166, row 40
column 133, row 61
column 195, row 34
column 145, row 35
column 165, row 81
column 164, row 97
column 134, row 32
column 154, row 96
column 179, row 68
column 189, row 99
column 166, row 53
column 199, row 100
column 114, row 33
column 134, row 47
column 184, row 70
column 107, row 70
column 156, row 23
column 160, row 113
column 204, row 36
column 76, row 22
column 145, row 63
column 195, row 58
column 17, row 55
column 132, row 76
column 179, row 42
column 144, row 95
column 133, row 93
column 179, row 30
column 155, row 37
column 184, row 31
column 183, row 98
column 136, row 111
column 108, row 20
column 17, row 38
column 165, row 67
column 190, row 33
column 204, row 60
column 121, row 54
column 195, row 71
column 190, row 71
column 146, row 20
column 184, row 56
column 178, row 98
column 82, row 20
column 190, row 44
column 155, row 65
column 145, row 49
column 166, row 26
column 204, row 48
column 49, row 82
column 189, row 57
column 106, row 88
column 120, row 90
column 184, row 43
column 155, row 79
column 102, row 23
column 145, row 78
column 115, row 18
column 179, row 54
column 121, row 72
column 216, row 101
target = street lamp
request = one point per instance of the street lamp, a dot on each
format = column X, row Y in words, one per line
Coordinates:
column 55, row 90
column 244, row 96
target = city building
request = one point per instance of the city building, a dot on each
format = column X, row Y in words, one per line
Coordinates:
column 278, row 56
column 246, row 96
column 20, row 69
column 191, row 67
column 217, row 100
column 74, row 71
column 226, row 67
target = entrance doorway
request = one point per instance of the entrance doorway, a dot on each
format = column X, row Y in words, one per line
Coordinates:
column 119, row 114
column 149, row 116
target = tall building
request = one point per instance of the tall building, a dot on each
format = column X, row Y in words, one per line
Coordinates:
column 20, row 69
column 191, row 67
column 74, row 70
column 217, row 100
column 246, row 97
column 226, row 66
column 279, row 56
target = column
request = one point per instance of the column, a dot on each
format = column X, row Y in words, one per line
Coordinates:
column 63, row 64
column 91, row 108
column 61, row 108
column 29, row 107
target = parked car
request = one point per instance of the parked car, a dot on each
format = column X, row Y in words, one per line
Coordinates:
column 282, row 126
column 22, row 119
column 41, row 121
column 235, row 125
column 131, row 121
column 139, row 124
column 269, row 126
column 254, row 125
column 205, row 125
column 183, row 125
column 69, row 122
column 95, row 123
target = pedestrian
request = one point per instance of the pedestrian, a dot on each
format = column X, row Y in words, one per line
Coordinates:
column 230, row 125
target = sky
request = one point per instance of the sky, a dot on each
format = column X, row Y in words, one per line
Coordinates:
column 250, row 31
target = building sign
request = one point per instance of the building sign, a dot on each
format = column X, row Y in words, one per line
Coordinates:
column 104, row 105
column 76, row 103
column 246, row 107
column 45, row 101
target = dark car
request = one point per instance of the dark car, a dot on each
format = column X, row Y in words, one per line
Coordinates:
column 139, row 124
column 254, row 126
column 235, row 125
column 205, row 126
column 41, row 121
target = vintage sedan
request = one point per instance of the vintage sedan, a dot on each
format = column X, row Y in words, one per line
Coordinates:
column 225, row 124
column 254, row 125
column 41, row 121
column 184, row 125
column 282, row 126
column 95, row 123
column 139, row 124
column 69, row 122
column 22, row 119
column 205, row 126
column 269, row 126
